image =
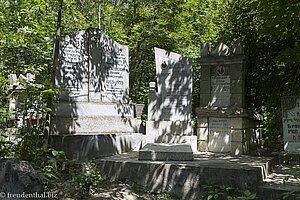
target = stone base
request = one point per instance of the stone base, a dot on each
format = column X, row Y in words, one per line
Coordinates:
column 68, row 109
column 163, row 151
column 92, row 146
column 179, row 128
column 96, row 124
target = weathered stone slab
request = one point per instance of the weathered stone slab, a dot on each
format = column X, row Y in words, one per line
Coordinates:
column 163, row 151
column 174, row 73
column 219, row 139
column 171, row 139
column 291, row 123
column 109, row 68
column 220, row 91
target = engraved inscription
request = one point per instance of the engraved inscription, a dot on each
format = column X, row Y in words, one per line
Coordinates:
column 291, row 129
column 220, row 91
column 219, row 135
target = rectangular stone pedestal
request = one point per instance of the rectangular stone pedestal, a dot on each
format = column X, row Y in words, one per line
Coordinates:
column 163, row 152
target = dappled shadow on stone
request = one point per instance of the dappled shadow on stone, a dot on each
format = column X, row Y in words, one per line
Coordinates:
column 185, row 179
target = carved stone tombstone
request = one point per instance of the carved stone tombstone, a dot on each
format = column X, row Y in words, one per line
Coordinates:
column 224, row 125
column 93, row 115
column 93, row 74
column 291, row 123
column 170, row 108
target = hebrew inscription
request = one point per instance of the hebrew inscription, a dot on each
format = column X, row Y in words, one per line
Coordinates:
column 291, row 129
column 72, row 73
column 220, row 91
column 219, row 135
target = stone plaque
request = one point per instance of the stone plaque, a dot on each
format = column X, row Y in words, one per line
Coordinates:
column 219, row 135
column 174, row 74
column 220, row 91
column 115, row 70
column 291, row 125
column 72, row 70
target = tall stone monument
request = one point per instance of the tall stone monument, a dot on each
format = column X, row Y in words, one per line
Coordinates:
column 170, row 107
column 224, row 125
column 93, row 73
column 291, row 123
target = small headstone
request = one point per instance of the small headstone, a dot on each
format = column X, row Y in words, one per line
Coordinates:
column 18, row 176
column 291, row 124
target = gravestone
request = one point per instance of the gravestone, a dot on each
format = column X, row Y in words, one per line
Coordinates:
column 224, row 125
column 291, row 123
column 170, row 108
column 92, row 71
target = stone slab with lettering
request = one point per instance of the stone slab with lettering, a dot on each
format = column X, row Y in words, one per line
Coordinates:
column 92, row 67
column 291, row 123
column 174, row 73
column 220, row 91
column 219, row 135
column 109, row 69
column 72, row 70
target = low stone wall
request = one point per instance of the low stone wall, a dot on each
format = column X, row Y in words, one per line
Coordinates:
column 91, row 146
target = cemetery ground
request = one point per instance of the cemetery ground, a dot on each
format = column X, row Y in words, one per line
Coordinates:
column 88, row 183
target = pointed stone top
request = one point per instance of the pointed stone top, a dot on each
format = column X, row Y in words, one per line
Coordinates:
column 238, row 47
column 221, row 50
column 205, row 49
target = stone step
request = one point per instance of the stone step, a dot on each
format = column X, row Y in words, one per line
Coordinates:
column 280, row 182
column 185, row 179
column 164, row 151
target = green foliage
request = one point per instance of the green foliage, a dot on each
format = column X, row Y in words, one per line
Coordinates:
column 69, row 178
column 269, row 30
column 79, row 178
column 220, row 192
